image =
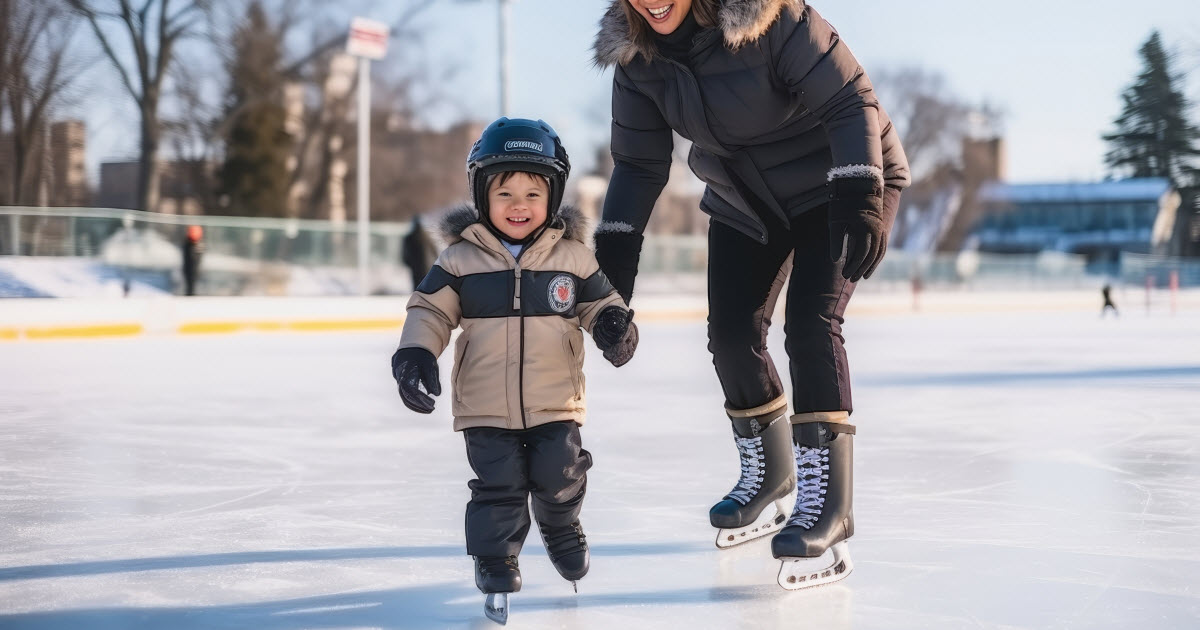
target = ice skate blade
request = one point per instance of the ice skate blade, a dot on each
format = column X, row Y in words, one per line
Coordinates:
column 496, row 607
column 768, row 522
column 800, row 573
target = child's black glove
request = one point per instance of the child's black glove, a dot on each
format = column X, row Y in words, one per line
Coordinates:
column 616, row 334
column 412, row 367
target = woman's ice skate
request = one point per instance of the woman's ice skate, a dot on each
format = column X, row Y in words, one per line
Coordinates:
column 822, row 519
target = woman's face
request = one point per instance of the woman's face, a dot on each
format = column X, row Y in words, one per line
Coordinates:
column 664, row 16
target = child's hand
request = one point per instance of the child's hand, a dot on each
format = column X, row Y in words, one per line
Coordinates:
column 622, row 352
column 616, row 334
column 412, row 367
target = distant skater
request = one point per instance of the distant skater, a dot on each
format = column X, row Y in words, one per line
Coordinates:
column 193, row 251
column 1108, row 303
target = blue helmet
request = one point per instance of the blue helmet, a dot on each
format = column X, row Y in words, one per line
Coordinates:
column 518, row 144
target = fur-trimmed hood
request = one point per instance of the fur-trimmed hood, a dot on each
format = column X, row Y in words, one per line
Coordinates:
column 740, row 21
column 570, row 220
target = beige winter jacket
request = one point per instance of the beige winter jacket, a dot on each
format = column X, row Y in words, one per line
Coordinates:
column 518, row 362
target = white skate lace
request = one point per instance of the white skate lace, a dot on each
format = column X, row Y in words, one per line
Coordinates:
column 812, row 481
column 753, row 467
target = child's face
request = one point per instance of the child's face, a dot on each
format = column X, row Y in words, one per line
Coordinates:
column 518, row 206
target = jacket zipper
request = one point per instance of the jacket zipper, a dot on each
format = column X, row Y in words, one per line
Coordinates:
column 521, row 366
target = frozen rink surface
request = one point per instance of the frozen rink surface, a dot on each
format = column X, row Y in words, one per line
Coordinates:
column 1013, row 471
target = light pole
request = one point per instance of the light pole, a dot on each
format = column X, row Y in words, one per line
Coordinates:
column 367, row 41
column 503, row 6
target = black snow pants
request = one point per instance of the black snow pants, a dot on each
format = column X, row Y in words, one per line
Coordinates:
column 546, row 462
column 745, row 279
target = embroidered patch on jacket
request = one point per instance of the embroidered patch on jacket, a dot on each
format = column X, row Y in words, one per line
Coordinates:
column 562, row 293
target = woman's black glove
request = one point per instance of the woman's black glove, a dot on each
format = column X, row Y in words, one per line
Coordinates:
column 616, row 334
column 412, row 367
column 618, row 253
column 858, row 210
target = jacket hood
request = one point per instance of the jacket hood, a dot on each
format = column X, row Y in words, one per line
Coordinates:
column 740, row 21
column 570, row 220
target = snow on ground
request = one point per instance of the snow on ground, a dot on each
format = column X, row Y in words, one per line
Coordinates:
column 1013, row 471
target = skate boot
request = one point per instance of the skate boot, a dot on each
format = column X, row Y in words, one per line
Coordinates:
column 497, row 576
column 822, row 519
column 757, row 505
column 568, row 550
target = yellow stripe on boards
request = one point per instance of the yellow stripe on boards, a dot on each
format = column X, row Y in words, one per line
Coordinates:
column 211, row 328
column 361, row 324
column 74, row 332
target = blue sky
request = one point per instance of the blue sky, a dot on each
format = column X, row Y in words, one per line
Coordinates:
column 1056, row 68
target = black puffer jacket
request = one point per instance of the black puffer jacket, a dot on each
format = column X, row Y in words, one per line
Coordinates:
column 774, row 102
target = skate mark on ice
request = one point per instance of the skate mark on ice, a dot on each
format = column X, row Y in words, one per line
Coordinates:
column 160, row 563
column 417, row 608
column 132, row 565
column 1029, row 377
column 719, row 594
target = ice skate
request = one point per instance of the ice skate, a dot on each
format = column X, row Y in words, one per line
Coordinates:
column 497, row 577
column 568, row 550
column 757, row 505
column 822, row 519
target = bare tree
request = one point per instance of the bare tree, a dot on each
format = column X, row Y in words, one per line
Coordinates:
column 931, row 121
column 952, row 147
column 35, row 68
column 153, row 30
column 326, row 141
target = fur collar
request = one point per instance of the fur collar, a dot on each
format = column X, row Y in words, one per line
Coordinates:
column 570, row 220
column 741, row 22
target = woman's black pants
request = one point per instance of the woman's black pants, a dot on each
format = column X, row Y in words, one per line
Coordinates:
column 546, row 462
column 745, row 279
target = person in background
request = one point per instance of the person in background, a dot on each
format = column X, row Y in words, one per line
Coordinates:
column 193, row 250
column 1108, row 302
column 418, row 252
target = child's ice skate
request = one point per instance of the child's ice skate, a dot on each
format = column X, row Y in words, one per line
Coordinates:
column 568, row 550
column 497, row 577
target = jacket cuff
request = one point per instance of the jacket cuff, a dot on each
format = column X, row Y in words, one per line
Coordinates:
column 855, row 171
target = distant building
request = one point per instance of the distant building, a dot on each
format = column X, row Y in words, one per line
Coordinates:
column 940, row 209
column 181, row 190
column 55, row 168
column 1099, row 220
column 68, row 164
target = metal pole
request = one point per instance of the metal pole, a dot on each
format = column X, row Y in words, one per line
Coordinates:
column 504, row 61
column 364, row 170
column 14, row 221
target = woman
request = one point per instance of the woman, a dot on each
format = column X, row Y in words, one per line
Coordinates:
column 804, row 173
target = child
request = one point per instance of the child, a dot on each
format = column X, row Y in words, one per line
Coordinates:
column 520, row 281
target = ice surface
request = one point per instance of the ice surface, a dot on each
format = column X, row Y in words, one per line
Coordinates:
column 1014, row 471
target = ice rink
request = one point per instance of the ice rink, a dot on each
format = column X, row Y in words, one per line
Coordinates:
column 1014, row 470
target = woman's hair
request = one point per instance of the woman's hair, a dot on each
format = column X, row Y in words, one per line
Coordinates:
column 642, row 36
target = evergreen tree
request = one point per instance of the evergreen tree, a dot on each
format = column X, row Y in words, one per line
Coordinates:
column 254, row 177
column 1153, row 136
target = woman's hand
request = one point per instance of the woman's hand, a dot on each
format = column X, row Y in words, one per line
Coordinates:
column 857, row 226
